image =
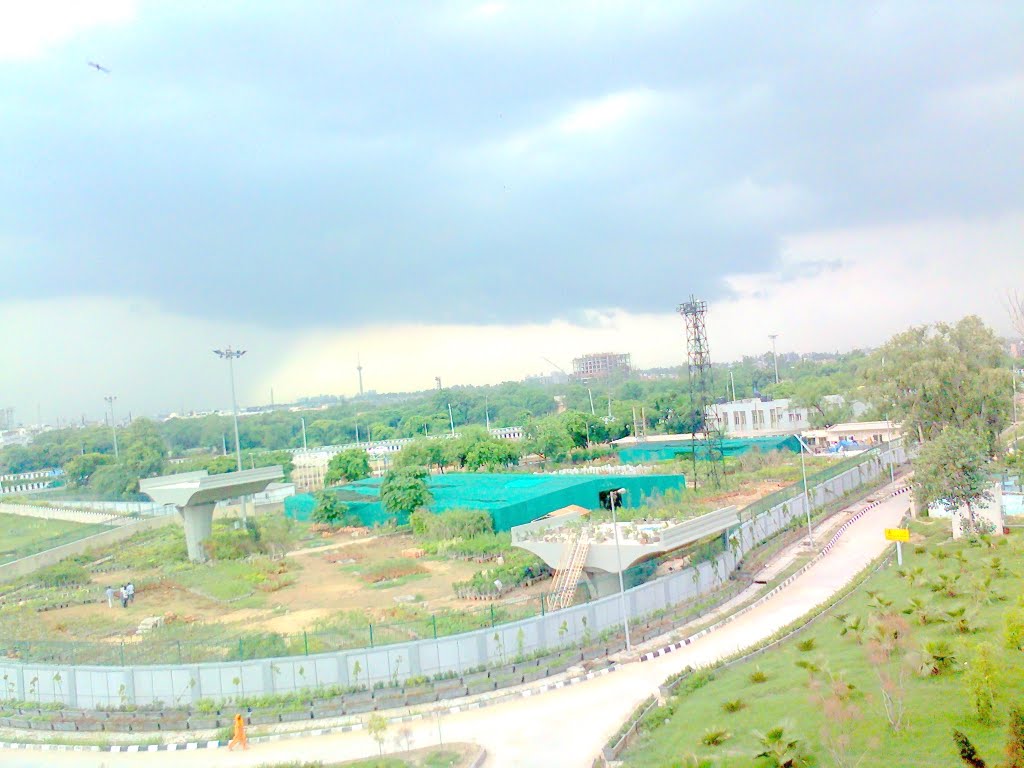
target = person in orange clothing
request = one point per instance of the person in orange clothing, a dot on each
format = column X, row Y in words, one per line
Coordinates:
column 239, row 737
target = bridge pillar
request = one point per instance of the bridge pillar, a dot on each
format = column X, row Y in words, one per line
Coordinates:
column 603, row 583
column 198, row 528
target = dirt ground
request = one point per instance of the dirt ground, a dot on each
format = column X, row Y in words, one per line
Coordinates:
column 749, row 495
column 327, row 582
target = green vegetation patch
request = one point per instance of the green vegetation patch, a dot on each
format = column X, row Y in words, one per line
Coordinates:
column 881, row 681
column 22, row 536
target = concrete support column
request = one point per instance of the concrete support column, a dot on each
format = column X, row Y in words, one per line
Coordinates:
column 198, row 527
column 604, row 583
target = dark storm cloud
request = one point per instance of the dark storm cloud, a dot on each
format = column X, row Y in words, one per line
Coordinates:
column 465, row 163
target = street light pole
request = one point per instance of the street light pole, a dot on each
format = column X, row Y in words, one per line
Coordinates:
column 618, row 564
column 775, row 357
column 113, row 429
column 807, row 498
column 230, row 355
column 1013, row 401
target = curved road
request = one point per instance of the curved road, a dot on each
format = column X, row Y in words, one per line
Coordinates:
column 564, row 728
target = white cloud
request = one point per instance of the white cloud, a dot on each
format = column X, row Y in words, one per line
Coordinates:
column 579, row 129
column 32, row 27
column 997, row 99
column 753, row 200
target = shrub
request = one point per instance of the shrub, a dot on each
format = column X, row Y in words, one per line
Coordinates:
column 329, row 509
column 1015, row 739
column 757, row 676
column 67, row 572
column 734, row 706
column 1013, row 628
column 938, row 657
column 982, row 677
column 966, row 750
column 452, row 524
column 715, row 736
column 806, row 645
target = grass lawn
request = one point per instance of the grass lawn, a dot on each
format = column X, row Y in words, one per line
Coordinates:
column 960, row 598
column 22, row 536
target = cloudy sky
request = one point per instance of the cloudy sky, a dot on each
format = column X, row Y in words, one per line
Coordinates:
column 461, row 189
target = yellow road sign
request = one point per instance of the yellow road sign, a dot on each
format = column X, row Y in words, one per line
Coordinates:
column 897, row 534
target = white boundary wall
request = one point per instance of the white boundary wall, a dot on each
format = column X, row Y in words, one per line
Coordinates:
column 177, row 685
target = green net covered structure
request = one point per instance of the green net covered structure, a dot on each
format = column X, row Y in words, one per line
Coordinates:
column 511, row 499
column 655, row 449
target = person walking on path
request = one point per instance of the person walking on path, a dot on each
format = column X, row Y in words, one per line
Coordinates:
column 131, row 592
column 124, row 596
column 110, row 597
column 239, row 737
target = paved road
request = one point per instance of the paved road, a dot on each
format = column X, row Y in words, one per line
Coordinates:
column 564, row 728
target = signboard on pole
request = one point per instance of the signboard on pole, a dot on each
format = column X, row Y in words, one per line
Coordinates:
column 897, row 534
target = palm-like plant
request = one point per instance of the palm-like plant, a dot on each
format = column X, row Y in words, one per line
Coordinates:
column 854, row 626
column 937, row 657
column 920, row 610
column 783, row 750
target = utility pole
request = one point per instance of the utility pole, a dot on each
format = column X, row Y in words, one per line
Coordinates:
column 732, row 381
column 807, row 498
column 775, row 357
column 359, row 368
column 451, row 419
column 113, row 428
column 231, row 355
column 591, row 396
column 618, row 564
column 487, row 413
column 303, row 432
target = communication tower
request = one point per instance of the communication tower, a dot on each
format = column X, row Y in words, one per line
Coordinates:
column 701, row 388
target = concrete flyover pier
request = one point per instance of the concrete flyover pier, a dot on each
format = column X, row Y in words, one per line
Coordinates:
column 195, row 494
column 596, row 553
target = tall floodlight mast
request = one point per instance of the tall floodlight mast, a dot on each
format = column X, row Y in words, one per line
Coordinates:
column 701, row 388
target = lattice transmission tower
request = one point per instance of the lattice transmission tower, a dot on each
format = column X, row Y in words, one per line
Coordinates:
column 701, row 388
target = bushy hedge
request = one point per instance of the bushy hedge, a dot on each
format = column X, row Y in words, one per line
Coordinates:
column 67, row 572
column 452, row 524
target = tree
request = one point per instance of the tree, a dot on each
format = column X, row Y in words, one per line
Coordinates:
column 1015, row 739
column 983, row 675
column 818, row 395
column 950, row 471
column 405, row 490
column 80, row 468
column 550, row 438
column 114, row 481
column 378, row 728
column 887, row 646
column 931, row 377
column 349, row 465
column 421, row 452
column 328, row 508
column 144, row 449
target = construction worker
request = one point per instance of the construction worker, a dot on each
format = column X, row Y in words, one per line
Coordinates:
column 239, row 737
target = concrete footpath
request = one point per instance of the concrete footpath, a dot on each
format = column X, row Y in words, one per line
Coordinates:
column 562, row 728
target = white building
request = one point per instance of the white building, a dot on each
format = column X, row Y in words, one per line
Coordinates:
column 753, row 417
